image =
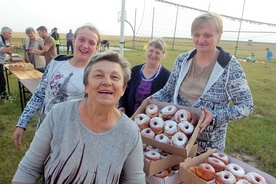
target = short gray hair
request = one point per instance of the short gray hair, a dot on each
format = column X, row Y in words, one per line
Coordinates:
column 159, row 44
column 112, row 57
column 5, row 29
column 29, row 30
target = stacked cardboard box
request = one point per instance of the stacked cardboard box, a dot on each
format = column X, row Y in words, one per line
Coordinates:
column 178, row 154
column 190, row 178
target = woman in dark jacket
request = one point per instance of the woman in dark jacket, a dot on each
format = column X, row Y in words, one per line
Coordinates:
column 146, row 78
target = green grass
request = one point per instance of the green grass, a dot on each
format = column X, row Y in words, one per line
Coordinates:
column 254, row 136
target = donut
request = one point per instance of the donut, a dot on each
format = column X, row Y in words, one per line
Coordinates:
column 255, row 178
column 170, row 128
column 153, row 155
column 236, row 170
column 162, row 138
column 168, row 111
column 193, row 169
column 179, row 139
column 144, row 147
column 221, row 156
column 149, row 148
column 213, row 181
column 217, row 164
column 147, row 132
column 176, row 167
column 182, row 115
column 243, row 181
column 205, row 171
column 225, row 177
column 162, row 174
column 152, row 110
column 186, row 127
column 157, row 125
column 194, row 119
column 165, row 154
column 142, row 120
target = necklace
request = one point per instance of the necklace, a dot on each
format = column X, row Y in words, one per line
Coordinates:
column 152, row 77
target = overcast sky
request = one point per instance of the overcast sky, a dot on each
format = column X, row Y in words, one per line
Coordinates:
column 19, row 14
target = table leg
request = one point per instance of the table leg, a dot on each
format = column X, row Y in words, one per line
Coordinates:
column 20, row 94
column 7, row 80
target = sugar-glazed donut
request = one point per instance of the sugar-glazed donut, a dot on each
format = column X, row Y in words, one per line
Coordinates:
column 147, row 132
column 255, row 178
column 194, row 119
column 149, row 148
column 225, row 177
column 236, row 170
column 142, row 120
column 182, row 115
column 152, row 155
column 152, row 110
column 205, row 171
column 186, row 127
column 170, row 128
column 222, row 156
column 217, row 164
column 165, row 154
column 243, row 181
column 162, row 174
column 157, row 125
column 179, row 139
column 162, row 138
column 168, row 111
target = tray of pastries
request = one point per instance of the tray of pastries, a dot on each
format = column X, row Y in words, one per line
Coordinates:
column 21, row 66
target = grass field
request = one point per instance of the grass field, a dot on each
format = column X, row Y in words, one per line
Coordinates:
column 252, row 139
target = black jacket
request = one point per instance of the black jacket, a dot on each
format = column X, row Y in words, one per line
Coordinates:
column 128, row 99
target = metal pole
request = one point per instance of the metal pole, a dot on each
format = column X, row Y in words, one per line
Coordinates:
column 123, row 18
column 152, row 24
column 175, row 28
column 133, row 33
column 134, row 29
column 237, row 43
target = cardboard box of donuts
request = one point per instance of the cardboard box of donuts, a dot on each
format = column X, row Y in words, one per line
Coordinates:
column 197, row 170
column 162, row 154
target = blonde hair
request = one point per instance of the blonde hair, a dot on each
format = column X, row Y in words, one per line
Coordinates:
column 92, row 28
column 209, row 17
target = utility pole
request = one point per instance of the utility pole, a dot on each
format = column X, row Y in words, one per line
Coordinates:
column 122, row 18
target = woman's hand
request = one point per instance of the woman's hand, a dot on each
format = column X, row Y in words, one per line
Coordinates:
column 208, row 118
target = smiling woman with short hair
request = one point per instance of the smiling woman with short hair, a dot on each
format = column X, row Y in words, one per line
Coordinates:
column 88, row 140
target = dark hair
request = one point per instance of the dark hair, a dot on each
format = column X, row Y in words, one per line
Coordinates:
column 41, row 28
column 112, row 57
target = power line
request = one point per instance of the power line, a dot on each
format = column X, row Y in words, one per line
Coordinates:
column 226, row 16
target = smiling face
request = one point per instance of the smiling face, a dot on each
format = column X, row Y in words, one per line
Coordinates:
column 206, row 38
column 105, row 83
column 154, row 55
column 31, row 35
column 85, row 44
